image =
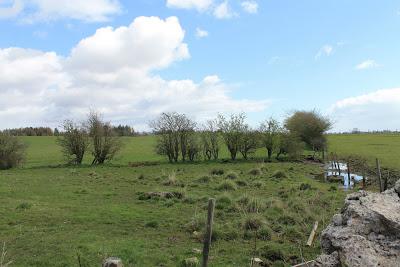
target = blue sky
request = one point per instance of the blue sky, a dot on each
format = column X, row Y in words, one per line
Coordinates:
column 340, row 57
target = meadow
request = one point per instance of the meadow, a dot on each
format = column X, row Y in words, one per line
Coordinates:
column 56, row 215
column 386, row 147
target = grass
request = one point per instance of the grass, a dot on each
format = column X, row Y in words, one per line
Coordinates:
column 98, row 212
column 386, row 147
column 51, row 213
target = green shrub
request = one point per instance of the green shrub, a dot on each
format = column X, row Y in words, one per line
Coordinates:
column 232, row 175
column 255, row 172
column 12, row 152
column 279, row 174
column 227, row 185
column 217, row 172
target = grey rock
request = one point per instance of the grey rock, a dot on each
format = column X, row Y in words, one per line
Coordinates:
column 366, row 233
column 113, row 262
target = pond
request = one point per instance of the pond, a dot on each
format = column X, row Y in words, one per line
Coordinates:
column 338, row 172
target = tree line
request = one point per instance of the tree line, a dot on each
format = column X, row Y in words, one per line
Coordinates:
column 180, row 138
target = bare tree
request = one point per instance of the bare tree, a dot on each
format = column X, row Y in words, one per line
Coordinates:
column 105, row 144
column 175, row 132
column 210, row 140
column 12, row 151
column 270, row 130
column 232, row 132
column 74, row 142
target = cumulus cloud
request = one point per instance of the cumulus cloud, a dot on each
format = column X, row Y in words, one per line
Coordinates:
column 379, row 110
column 47, row 10
column 250, row 6
column 224, row 11
column 367, row 64
column 118, row 77
column 200, row 33
column 200, row 5
column 325, row 50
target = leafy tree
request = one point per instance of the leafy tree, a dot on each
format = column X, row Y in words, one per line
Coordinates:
column 210, row 140
column 310, row 127
column 270, row 131
column 232, row 130
column 248, row 142
column 290, row 144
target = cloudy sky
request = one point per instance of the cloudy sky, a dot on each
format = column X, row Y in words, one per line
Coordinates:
column 132, row 60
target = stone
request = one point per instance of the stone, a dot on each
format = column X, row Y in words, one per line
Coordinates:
column 113, row 262
column 366, row 233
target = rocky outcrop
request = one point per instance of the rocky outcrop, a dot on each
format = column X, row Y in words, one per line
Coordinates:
column 366, row 233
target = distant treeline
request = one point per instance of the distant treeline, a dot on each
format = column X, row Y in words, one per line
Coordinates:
column 356, row 131
column 120, row 130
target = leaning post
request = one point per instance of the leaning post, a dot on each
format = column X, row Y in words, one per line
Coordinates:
column 378, row 167
column 207, row 238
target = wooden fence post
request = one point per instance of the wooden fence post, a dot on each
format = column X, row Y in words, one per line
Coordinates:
column 207, row 238
column 348, row 174
column 378, row 167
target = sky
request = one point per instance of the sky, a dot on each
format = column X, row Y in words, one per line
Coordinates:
column 132, row 60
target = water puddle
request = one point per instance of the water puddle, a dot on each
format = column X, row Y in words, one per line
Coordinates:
column 337, row 172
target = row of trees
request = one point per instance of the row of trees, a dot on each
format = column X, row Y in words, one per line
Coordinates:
column 180, row 138
column 120, row 130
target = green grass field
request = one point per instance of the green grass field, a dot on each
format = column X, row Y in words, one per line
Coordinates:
column 51, row 213
column 386, row 147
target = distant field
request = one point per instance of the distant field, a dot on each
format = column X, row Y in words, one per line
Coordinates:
column 44, row 151
column 386, row 147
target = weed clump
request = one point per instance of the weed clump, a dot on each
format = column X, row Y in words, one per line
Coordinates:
column 272, row 253
column 171, row 180
column 227, row 186
column 151, row 224
column 24, row 206
column 204, row 179
column 190, row 262
column 279, row 174
column 304, row 186
column 255, row 172
column 232, row 175
column 255, row 205
column 253, row 223
column 223, row 202
column 217, row 172
column 241, row 183
column 259, row 184
column 264, row 234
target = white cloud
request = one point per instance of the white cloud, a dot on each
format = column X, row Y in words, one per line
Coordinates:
column 250, row 6
column 200, row 33
column 32, row 11
column 224, row 11
column 10, row 8
column 200, row 5
column 326, row 50
column 117, row 77
column 379, row 110
column 367, row 64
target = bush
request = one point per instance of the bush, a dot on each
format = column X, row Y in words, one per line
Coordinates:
column 12, row 152
column 217, row 172
column 227, row 186
column 232, row 175
column 279, row 174
column 255, row 172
